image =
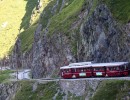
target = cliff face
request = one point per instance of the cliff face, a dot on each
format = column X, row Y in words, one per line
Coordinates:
column 103, row 38
column 68, row 33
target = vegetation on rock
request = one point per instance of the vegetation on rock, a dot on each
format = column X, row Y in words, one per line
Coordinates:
column 4, row 75
column 112, row 90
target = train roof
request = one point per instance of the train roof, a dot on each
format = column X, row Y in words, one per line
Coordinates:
column 81, row 63
column 108, row 64
column 81, row 66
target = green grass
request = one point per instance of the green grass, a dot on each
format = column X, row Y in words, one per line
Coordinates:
column 4, row 75
column 112, row 90
column 46, row 14
column 11, row 13
column 18, row 16
column 14, row 15
column 63, row 20
column 27, row 38
column 43, row 92
column 120, row 9
column 27, row 16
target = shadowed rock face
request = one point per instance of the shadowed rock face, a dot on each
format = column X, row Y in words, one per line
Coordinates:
column 49, row 53
column 103, row 39
column 79, row 87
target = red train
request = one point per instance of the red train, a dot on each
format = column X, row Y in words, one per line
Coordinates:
column 90, row 69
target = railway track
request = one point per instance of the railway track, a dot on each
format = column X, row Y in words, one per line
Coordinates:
column 41, row 80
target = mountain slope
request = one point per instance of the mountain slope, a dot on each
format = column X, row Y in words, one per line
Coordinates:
column 54, row 33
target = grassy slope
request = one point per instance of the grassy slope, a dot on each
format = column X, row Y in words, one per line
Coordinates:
column 112, row 90
column 14, row 16
column 4, row 75
column 46, row 15
column 63, row 20
column 27, row 38
column 11, row 13
column 108, row 90
column 43, row 91
column 120, row 9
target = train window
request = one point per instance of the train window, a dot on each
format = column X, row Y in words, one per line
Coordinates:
column 114, row 68
column 117, row 68
column 99, row 69
column 88, row 69
column 121, row 68
column 110, row 68
column 78, row 70
column 96, row 69
column 73, row 70
column 67, row 70
column 125, row 67
column 82, row 70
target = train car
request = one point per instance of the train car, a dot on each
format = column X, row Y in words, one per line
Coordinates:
column 117, row 69
column 76, row 71
column 110, row 69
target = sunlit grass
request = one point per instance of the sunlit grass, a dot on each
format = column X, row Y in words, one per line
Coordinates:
column 4, row 75
column 63, row 20
column 16, row 15
column 11, row 13
column 27, row 36
column 112, row 90
column 120, row 9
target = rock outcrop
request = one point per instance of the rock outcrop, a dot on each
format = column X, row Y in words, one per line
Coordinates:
column 8, row 90
column 81, row 88
column 103, row 39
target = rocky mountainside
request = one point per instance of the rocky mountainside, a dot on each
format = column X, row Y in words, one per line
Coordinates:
column 72, row 31
column 66, row 90
column 54, row 33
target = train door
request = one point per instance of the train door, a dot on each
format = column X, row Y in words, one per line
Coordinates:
column 129, row 68
column 126, row 71
column 121, row 70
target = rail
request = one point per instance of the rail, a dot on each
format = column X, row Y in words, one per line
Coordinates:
column 41, row 80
